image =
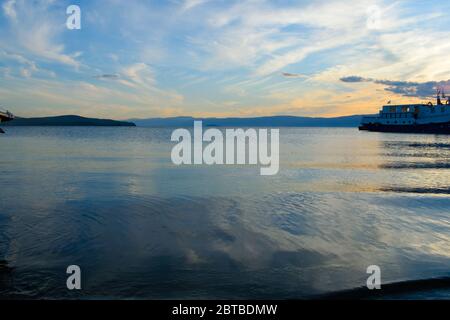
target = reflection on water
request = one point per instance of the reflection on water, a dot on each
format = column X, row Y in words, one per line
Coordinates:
column 110, row 201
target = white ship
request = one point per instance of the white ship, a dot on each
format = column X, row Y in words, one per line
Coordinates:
column 412, row 118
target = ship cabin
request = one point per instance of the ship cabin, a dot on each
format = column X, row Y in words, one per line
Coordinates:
column 410, row 114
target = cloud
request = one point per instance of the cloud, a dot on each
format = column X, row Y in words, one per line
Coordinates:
column 9, row 10
column 35, row 28
column 267, row 37
column 233, row 51
column 292, row 75
column 404, row 88
column 139, row 75
column 190, row 4
column 26, row 68
column 354, row 79
column 112, row 76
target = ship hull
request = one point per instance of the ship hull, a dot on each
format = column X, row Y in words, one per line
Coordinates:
column 433, row 128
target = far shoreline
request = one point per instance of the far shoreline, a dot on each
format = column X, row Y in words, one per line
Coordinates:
column 185, row 122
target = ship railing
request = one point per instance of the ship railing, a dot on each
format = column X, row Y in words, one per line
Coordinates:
column 369, row 119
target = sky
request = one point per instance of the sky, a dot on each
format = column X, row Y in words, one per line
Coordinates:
column 214, row 58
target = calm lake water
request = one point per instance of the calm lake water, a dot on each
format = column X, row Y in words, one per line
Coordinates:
column 111, row 201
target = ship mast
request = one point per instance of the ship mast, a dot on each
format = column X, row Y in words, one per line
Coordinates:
column 438, row 98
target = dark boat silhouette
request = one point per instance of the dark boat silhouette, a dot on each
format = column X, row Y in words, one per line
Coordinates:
column 5, row 116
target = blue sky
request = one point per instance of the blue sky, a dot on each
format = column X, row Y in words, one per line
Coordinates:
column 219, row 58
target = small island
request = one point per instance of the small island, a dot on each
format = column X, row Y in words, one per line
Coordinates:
column 69, row 120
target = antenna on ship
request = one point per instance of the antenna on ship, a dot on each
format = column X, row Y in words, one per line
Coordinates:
column 438, row 98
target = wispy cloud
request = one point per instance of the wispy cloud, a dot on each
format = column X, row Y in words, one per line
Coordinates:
column 190, row 4
column 33, row 28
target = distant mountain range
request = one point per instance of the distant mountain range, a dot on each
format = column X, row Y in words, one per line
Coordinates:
column 67, row 121
column 273, row 121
